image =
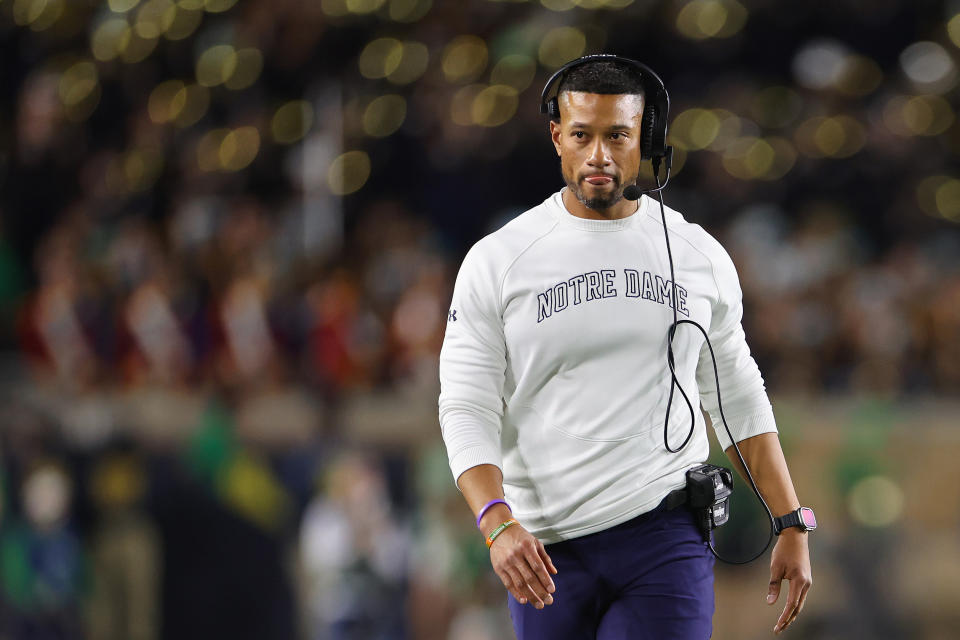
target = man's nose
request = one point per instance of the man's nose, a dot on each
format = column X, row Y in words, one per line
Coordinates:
column 598, row 154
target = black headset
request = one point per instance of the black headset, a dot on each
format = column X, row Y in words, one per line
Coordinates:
column 653, row 126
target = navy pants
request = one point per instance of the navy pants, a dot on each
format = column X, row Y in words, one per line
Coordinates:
column 650, row 577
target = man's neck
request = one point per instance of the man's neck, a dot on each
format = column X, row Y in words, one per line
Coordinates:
column 622, row 209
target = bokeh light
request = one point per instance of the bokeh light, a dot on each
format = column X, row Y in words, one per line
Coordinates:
column 334, row 8
column 185, row 22
column 559, row 5
column 218, row 6
column 291, row 122
column 515, row 70
column 461, row 105
column 494, row 105
column 39, row 15
column 239, row 148
column 701, row 19
column 953, row 29
column 408, row 10
column 216, row 65
column 190, row 104
column 414, row 58
column 154, row 18
column 118, row 481
column 349, row 172
column 838, row 137
column 208, row 149
column 79, row 90
column 939, row 196
column 948, row 200
column 135, row 48
column 826, row 63
column 122, row 6
column 246, row 69
column 926, row 115
column 784, row 158
column 695, row 129
column 109, row 38
column 380, row 58
column 731, row 128
column 820, row 64
column 561, row 45
column 748, row 158
column 860, row 76
column 384, row 115
column 893, row 115
column 362, row 7
column 591, row 4
column 753, row 158
column 141, row 168
column 166, row 101
column 876, row 501
column 464, row 59
column 929, row 67
column 78, row 82
column 835, row 137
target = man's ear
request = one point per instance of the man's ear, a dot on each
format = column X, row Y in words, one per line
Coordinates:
column 555, row 135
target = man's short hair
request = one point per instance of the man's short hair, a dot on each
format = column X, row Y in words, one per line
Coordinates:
column 604, row 76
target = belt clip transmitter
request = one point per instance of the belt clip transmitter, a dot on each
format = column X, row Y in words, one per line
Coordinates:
column 708, row 494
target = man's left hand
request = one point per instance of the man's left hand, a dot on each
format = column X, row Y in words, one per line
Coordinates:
column 790, row 561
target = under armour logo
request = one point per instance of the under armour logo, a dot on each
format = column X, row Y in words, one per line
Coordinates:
column 452, row 316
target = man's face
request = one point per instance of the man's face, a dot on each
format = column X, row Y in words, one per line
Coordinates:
column 598, row 141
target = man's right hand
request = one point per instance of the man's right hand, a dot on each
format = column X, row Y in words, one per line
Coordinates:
column 522, row 564
column 517, row 557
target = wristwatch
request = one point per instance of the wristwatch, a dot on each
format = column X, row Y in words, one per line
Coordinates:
column 802, row 518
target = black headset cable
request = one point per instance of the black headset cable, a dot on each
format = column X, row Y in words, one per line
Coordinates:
column 716, row 375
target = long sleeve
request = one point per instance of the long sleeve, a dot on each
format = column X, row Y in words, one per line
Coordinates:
column 472, row 366
column 745, row 402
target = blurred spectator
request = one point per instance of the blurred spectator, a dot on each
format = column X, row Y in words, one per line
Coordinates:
column 125, row 554
column 354, row 557
column 42, row 563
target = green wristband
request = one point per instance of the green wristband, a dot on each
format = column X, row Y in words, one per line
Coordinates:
column 496, row 532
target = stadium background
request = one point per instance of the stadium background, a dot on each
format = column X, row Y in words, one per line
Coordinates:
column 229, row 234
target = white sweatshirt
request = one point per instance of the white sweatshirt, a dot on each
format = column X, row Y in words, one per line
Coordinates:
column 554, row 369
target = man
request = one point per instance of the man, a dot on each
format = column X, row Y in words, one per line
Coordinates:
column 554, row 391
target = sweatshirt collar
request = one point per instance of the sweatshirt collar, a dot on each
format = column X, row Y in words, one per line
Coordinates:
column 559, row 211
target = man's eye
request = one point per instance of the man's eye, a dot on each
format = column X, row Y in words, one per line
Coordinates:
column 616, row 136
column 579, row 134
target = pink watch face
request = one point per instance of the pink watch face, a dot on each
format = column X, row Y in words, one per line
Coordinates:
column 809, row 520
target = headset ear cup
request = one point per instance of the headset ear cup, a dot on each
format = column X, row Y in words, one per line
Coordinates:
column 553, row 109
column 647, row 126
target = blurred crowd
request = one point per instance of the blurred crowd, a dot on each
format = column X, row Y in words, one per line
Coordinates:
column 185, row 343
column 825, row 315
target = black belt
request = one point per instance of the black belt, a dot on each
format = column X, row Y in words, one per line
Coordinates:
column 675, row 498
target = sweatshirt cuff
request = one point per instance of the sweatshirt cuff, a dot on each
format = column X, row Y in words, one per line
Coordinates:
column 472, row 457
column 745, row 426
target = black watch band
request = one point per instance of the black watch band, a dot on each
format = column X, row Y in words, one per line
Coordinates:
column 802, row 518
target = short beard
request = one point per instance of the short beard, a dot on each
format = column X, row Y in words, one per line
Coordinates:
column 601, row 203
